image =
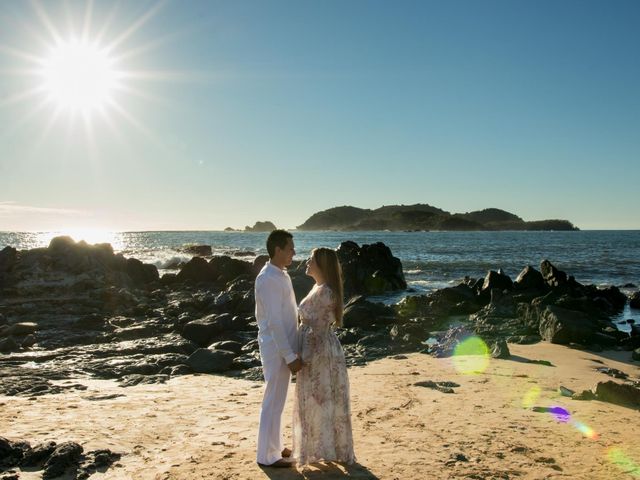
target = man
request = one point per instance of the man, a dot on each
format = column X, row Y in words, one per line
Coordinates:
column 276, row 313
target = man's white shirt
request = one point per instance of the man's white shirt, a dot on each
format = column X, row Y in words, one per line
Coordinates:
column 276, row 313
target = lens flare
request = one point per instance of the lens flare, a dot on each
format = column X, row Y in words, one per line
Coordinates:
column 560, row 414
column 530, row 398
column 586, row 430
column 471, row 356
column 616, row 456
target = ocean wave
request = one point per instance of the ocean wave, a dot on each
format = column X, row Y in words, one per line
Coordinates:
column 172, row 263
column 413, row 271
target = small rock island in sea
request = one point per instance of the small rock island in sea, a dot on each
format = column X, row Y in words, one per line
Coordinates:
column 257, row 227
column 424, row 217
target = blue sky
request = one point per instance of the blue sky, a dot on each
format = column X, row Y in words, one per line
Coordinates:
column 239, row 111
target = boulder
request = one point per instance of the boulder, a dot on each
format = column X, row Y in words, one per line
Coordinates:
column 497, row 280
column 196, row 270
column 206, row 360
column 12, row 453
column 559, row 325
column 302, row 283
column 8, row 258
column 29, row 341
column 228, row 345
column 21, row 328
column 634, row 300
column 370, row 269
column 65, row 457
column 458, row 300
column 500, row 349
column 199, row 250
column 226, row 269
column 530, row 279
column 38, row 454
column 636, row 355
column 202, row 331
column 141, row 273
column 409, row 334
column 552, row 276
column 618, row 393
column 365, row 314
column 259, row 262
column 8, row 345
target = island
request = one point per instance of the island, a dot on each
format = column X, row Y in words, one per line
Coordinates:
column 261, row 227
column 421, row 217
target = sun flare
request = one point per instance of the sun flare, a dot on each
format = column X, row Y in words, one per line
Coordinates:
column 79, row 76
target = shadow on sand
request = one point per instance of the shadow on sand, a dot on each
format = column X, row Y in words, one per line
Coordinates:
column 325, row 470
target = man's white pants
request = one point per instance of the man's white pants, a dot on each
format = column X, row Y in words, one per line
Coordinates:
column 277, row 377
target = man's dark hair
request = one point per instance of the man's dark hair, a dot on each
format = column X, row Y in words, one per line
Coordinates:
column 277, row 238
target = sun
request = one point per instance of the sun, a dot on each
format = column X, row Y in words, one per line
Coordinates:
column 87, row 77
column 79, row 76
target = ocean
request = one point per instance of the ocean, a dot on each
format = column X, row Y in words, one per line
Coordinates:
column 431, row 260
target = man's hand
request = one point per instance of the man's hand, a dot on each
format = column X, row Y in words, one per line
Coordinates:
column 295, row 365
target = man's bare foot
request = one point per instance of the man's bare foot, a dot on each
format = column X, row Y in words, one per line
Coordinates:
column 282, row 463
column 286, row 453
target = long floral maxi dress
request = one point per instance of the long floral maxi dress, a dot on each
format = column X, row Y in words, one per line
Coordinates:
column 321, row 412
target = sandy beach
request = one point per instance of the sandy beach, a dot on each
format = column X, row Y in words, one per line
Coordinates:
column 204, row 426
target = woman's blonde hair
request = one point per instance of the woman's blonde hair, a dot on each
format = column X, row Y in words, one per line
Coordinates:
column 329, row 266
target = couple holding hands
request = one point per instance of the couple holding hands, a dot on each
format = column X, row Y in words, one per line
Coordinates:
column 301, row 340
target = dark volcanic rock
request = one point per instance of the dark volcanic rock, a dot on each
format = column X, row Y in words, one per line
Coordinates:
column 458, row 300
column 225, row 269
column 65, row 457
column 360, row 312
column 32, row 386
column 618, row 393
column 199, row 250
column 38, row 454
column 20, row 328
column 196, row 270
column 552, row 276
column 559, row 325
column 96, row 460
column 530, row 279
column 8, row 257
column 9, row 344
column 370, row 269
column 12, row 453
column 141, row 273
column 500, row 319
column 205, row 360
column 500, row 349
column 220, row 269
column 448, row 341
column 203, row 330
column 496, row 280
column 410, row 334
column 634, row 300
column 228, row 345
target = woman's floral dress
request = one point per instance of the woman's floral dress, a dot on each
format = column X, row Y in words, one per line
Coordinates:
column 321, row 412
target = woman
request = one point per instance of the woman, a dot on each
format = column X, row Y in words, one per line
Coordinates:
column 321, row 412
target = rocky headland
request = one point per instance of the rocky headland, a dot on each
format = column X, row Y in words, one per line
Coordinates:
column 423, row 217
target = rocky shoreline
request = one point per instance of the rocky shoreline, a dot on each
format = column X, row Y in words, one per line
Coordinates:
column 74, row 310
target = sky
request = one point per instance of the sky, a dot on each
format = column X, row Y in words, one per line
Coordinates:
column 224, row 113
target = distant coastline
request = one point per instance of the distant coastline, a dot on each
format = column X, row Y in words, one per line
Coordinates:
column 423, row 217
